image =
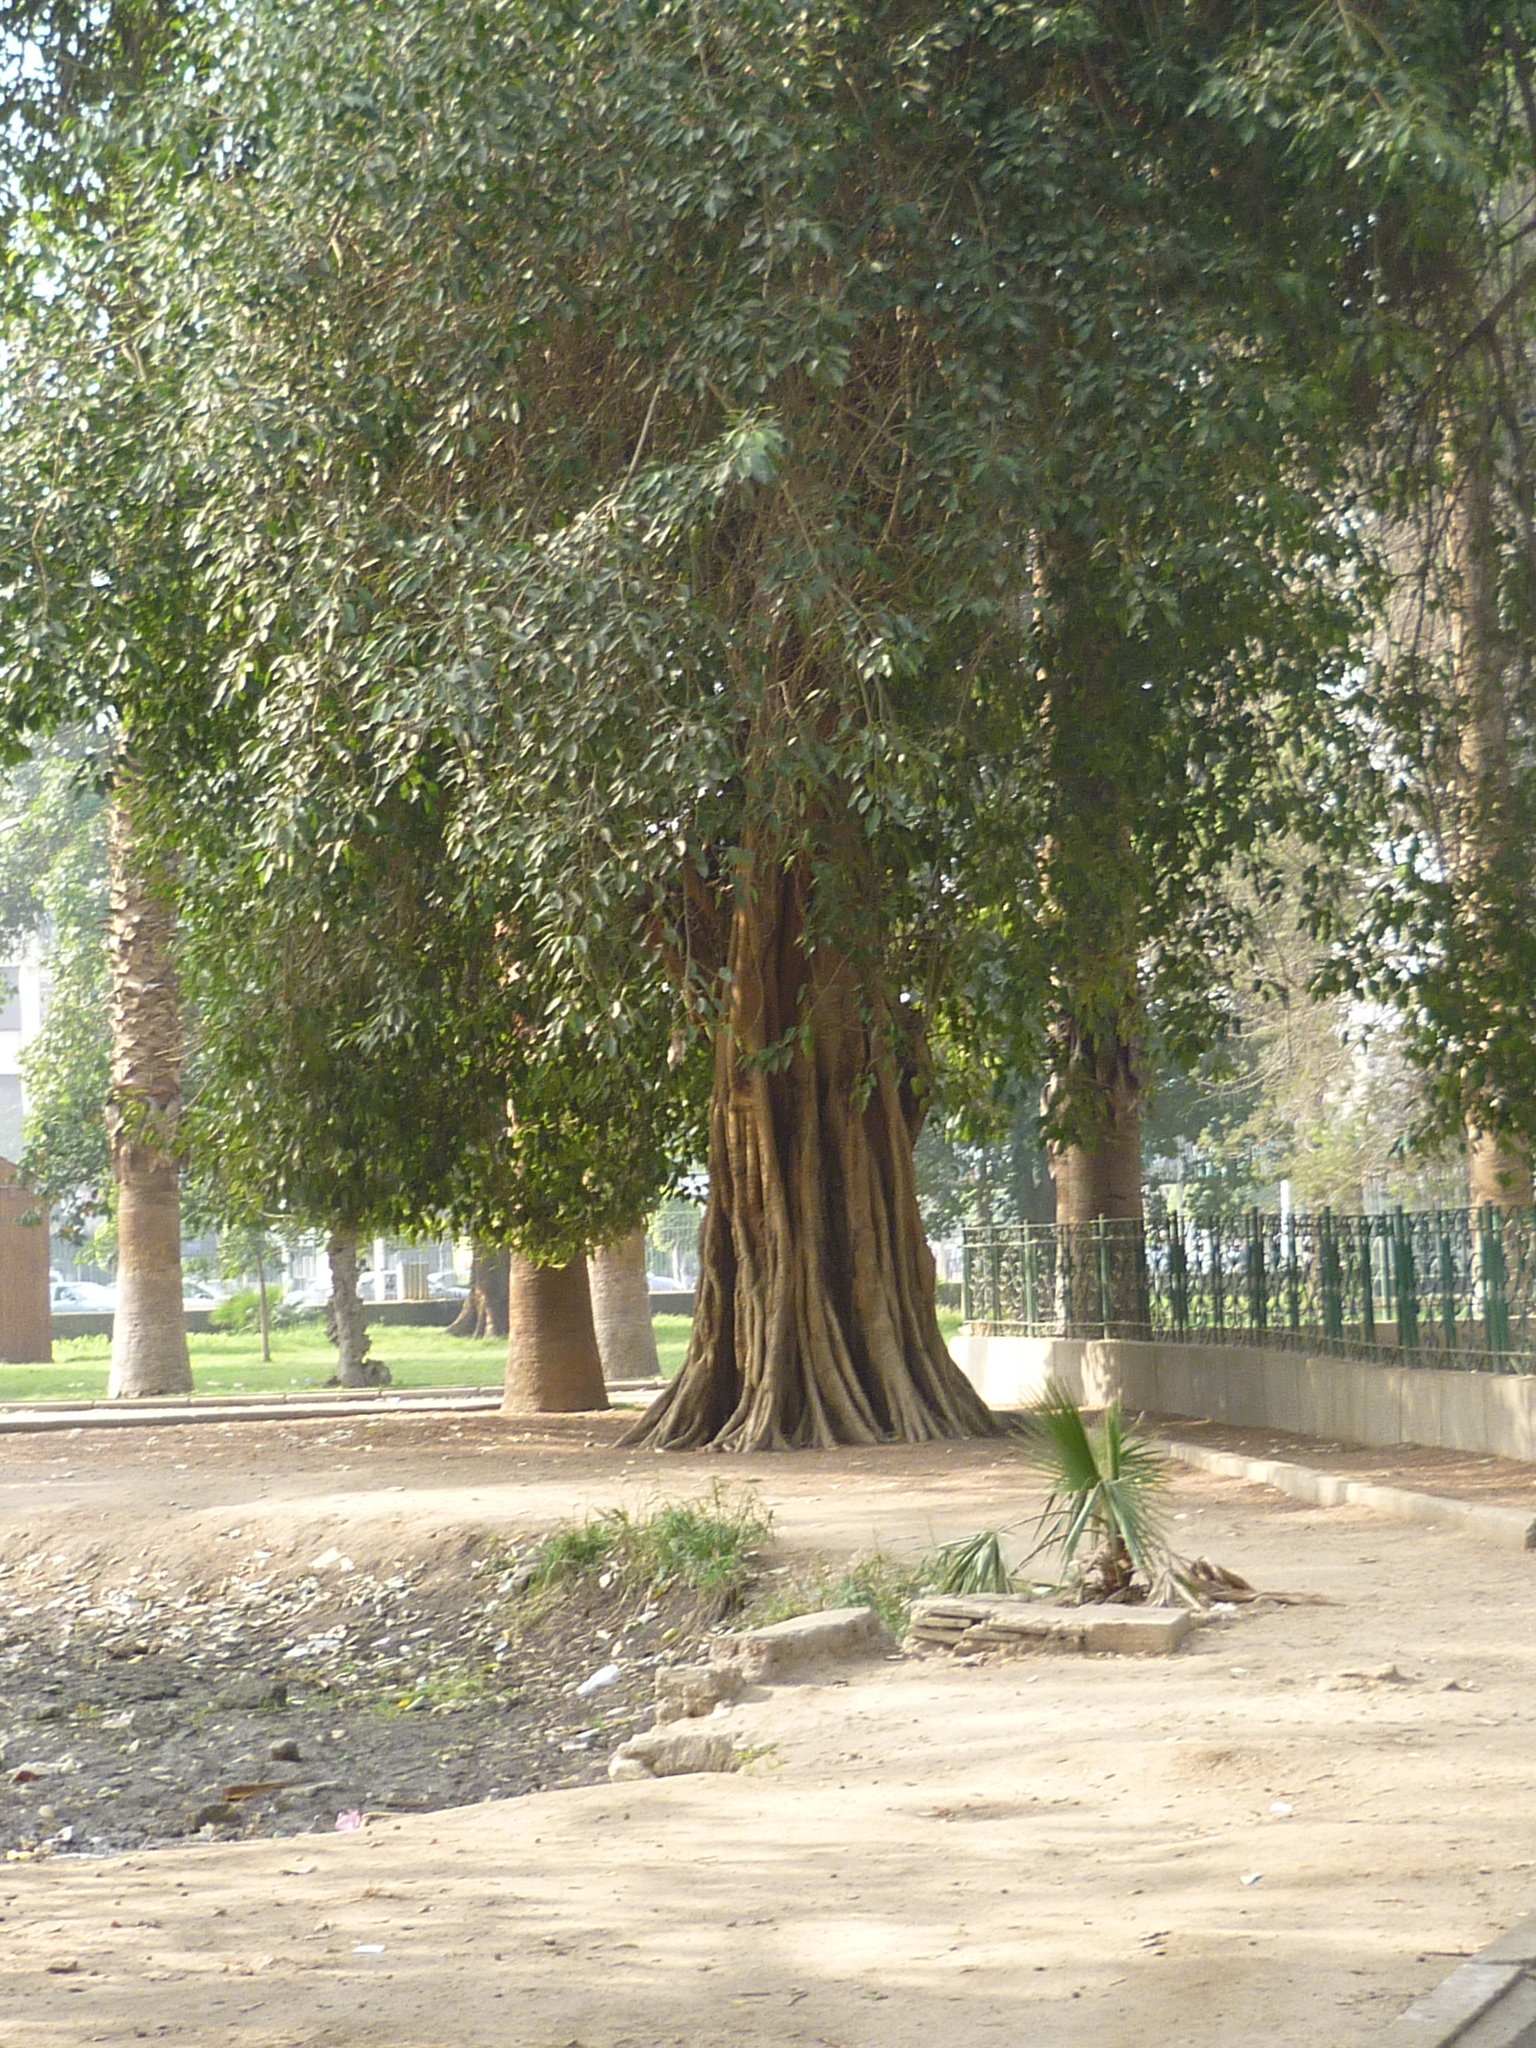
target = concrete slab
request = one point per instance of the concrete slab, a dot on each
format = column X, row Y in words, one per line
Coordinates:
column 1452, row 2007
column 1135, row 1631
column 786, row 1649
column 1012, row 1621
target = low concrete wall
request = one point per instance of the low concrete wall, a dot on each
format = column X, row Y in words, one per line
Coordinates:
column 429, row 1315
column 1492, row 1414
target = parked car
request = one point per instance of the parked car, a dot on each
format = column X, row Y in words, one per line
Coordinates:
column 445, row 1287
column 80, row 1297
column 202, row 1293
column 316, row 1295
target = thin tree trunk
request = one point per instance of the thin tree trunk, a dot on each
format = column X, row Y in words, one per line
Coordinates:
column 262, row 1311
column 815, row 1320
column 553, row 1366
column 484, row 1313
column 345, row 1322
column 149, row 1328
column 1498, row 1164
column 621, row 1310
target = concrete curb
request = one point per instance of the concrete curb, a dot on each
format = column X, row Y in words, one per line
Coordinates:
column 214, row 1408
column 1510, row 1528
column 1490, row 2002
column 20, row 1420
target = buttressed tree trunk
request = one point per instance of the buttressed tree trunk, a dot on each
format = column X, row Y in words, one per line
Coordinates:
column 484, row 1313
column 621, row 1310
column 346, row 1323
column 553, row 1366
column 815, row 1320
column 149, row 1330
column 1498, row 1165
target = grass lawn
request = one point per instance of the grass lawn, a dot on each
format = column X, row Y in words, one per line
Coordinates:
column 303, row 1360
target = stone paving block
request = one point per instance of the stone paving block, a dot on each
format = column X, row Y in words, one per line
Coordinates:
column 1012, row 1621
column 1135, row 1631
column 679, row 1750
column 785, row 1648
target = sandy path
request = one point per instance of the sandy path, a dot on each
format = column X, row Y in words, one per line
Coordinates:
column 1050, row 1851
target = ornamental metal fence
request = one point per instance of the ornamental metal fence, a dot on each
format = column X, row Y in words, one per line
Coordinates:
column 1455, row 1288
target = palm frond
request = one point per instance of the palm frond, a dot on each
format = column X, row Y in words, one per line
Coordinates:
column 1104, row 1483
column 974, row 1564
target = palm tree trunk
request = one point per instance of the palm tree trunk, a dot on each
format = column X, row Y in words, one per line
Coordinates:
column 553, row 1366
column 149, row 1330
column 621, row 1310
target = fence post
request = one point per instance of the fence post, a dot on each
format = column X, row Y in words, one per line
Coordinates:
column 1178, row 1278
column 1218, row 1278
column 1292, row 1274
column 1447, row 1282
column 1258, row 1302
column 1367, row 1284
column 967, row 1314
column 1330, row 1276
column 1406, row 1286
column 1495, row 1295
column 994, row 1313
column 1030, row 1316
column 1101, row 1263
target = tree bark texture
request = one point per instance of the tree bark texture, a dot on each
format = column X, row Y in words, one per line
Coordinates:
column 553, row 1365
column 345, row 1322
column 621, row 1310
column 484, row 1313
column 26, row 1316
column 1091, row 896
column 1498, row 1164
column 815, row 1321
column 149, row 1330
column 1104, row 1178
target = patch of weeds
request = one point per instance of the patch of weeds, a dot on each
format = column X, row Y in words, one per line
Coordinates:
column 871, row 1580
column 711, row 1548
column 441, row 1692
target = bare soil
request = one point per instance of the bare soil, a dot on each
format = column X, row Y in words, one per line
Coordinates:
column 1280, row 1836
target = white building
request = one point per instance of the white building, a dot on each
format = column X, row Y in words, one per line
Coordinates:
column 21, row 1017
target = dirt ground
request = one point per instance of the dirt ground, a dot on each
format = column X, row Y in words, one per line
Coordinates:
column 1282, row 1835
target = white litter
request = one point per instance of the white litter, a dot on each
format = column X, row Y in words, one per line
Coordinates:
column 1282, row 1809
column 596, row 1683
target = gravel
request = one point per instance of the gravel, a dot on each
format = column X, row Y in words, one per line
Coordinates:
column 265, row 1704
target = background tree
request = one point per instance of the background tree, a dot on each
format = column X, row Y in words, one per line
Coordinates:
column 366, row 1063
column 706, row 515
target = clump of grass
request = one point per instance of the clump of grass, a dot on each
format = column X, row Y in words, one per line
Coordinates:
column 872, row 1580
column 710, row 1547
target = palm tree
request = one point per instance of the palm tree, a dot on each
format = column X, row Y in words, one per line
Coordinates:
column 621, row 1310
column 553, row 1366
column 149, row 1331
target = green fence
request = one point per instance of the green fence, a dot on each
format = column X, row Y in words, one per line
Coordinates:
column 1455, row 1288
